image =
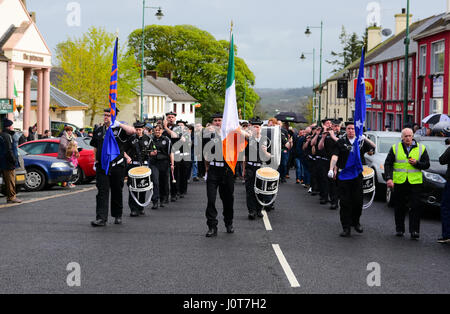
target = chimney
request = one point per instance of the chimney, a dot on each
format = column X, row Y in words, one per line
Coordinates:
column 153, row 74
column 373, row 37
column 168, row 75
column 400, row 21
column 33, row 16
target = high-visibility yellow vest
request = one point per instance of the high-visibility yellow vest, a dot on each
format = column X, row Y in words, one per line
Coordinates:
column 403, row 169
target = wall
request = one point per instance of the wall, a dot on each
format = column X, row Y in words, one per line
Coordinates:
column 3, row 79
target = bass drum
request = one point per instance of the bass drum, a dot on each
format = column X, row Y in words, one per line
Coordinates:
column 273, row 136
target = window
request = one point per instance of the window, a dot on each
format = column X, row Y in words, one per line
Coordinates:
column 380, row 82
column 422, row 110
column 395, row 81
column 380, row 121
column 401, row 79
column 369, row 120
column 145, row 109
column 390, row 121
column 437, row 57
column 410, row 80
column 437, row 105
column 34, row 148
column 389, row 81
column 153, row 106
column 192, row 108
column 52, row 148
column 423, row 60
column 175, row 108
column 183, row 108
column 398, row 122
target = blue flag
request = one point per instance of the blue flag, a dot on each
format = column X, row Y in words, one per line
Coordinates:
column 354, row 166
column 110, row 149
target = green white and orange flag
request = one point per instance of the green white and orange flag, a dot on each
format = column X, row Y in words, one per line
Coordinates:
column 233, row 142
column 16, row 95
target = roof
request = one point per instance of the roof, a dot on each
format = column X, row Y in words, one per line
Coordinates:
column 149, row 89
column 172, row 90
column 442, row 24
column 7, row 35
column 62, row 99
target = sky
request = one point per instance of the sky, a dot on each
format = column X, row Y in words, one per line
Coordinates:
column 269, row 34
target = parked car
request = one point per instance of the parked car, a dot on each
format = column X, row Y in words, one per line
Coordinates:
column 433, row 178
column 49, row 147
column 384, row 142
column 57, row 127
column 20, row 177
column 44, row 171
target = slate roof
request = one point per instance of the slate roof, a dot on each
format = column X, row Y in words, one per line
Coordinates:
column 58, row 96
column 172, row 90
column 149, row 89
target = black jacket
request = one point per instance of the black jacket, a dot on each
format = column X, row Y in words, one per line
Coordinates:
column 422, row 164
column 445, row 160
column 8, row 151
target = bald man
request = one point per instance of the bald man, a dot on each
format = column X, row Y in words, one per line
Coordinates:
column 403, row 169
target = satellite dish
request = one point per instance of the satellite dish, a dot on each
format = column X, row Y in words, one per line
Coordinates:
column 386, row 32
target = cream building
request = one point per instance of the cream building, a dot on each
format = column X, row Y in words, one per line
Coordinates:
column 26, row 52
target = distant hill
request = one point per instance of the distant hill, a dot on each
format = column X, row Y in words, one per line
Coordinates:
column 273, row 99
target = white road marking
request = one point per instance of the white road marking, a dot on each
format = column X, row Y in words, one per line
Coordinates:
column 48, row 197
column 284, row 264
column 266, row 221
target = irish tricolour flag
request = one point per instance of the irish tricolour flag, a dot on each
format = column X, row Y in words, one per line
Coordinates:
column 232, row 141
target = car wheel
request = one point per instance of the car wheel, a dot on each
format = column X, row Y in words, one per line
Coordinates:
column 35, row 180
column 79, row 178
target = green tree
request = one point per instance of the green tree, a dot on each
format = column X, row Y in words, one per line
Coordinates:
column 198, row 63
column 351, row 50
column 86, row 64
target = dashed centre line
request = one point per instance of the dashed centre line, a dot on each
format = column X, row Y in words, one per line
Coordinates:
column 285, row 265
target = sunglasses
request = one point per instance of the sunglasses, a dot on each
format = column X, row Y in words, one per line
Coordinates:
column 107, row 115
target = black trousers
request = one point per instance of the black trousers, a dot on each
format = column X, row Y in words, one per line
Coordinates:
column 402, row 194
column 250, row 178
column 312, row 166
column 163, row 170
column 155, row 180
column 333, row 191
column 222, row 178
column 351, row 201
column 113, row 182
column 182, row 174
column 322, row 178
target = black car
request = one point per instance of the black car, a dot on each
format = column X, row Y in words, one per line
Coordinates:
column 433, row 178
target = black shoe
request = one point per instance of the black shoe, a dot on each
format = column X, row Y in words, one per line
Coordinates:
column 259, row 214
column 173, row 199
column 166, row 201
column 415, row 235
column 142, row 213
column 230, row 229
column 399, row 234
column 155, row 206
column 118, row 221
column 134, row 214
column 181, row 195
column 212, row 232
column 252, row 215
column 359, row 228
column 98, row 223
column 346, row 233
column 333, row 207
column 162, row 204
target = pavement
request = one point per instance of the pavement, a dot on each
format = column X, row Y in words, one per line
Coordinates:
column 166, row 252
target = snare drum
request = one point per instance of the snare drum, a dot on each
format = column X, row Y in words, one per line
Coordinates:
column 368, row 180
column 266, row 184
column 140, row 179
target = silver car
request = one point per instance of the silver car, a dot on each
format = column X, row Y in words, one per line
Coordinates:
column 384, row 142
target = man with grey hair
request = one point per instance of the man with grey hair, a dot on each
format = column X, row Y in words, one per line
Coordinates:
column 403, row 170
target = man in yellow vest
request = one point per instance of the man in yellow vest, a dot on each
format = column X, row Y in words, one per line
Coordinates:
column 403, row 169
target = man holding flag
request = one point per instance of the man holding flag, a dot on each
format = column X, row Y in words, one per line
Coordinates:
column 222, row 166
column 110, row 143
column 346, row 163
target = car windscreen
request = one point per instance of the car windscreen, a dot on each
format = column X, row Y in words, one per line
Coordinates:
column 435, row 149
column 82, row 143
column 385, row 144
column 22, row 152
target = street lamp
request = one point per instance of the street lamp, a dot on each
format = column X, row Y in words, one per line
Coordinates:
column 405, row 96
column 159, row 15
column 308, row 33
column 303, row 58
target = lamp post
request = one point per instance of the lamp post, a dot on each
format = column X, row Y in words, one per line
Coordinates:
column 308, row 33
column 303, row 58
column 159, row 15
column 405, row 96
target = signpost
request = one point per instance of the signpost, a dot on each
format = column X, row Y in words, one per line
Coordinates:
column 6, row 106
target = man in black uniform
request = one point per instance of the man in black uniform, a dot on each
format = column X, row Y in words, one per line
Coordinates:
column 114, row 180
column 140, row 150
column 219, row 175
column 350, row 191
column 162, row 163
column 182, row 155
column 311, row 160
column 253, row 161
column 170, row 131
column 323, row 162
